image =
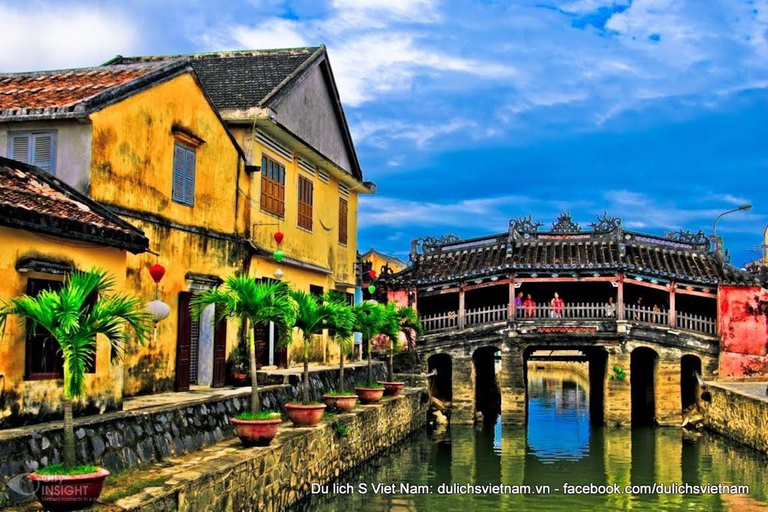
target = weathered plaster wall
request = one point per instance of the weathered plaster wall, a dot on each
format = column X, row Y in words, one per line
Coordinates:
column 743, row 332
column 73, row 149
column 741, row 417
column 277, row 476
column 123, row 440
column 23, row 400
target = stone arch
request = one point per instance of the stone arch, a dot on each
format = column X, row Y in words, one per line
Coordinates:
column 643, row 372
column 690, row 389
column 487, row 392
column 441, row 385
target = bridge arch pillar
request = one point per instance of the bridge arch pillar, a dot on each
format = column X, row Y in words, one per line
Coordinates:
column 512, row 386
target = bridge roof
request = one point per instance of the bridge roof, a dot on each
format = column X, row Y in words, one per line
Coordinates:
column 567, row 250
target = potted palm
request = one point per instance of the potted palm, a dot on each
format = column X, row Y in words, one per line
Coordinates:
column 369, row 317
column 75, row 315
column 311, row 319
column 397, row 319
column 251, row 303
column 340, row 324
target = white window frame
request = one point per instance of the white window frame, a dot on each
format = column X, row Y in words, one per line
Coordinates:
column 33, row 134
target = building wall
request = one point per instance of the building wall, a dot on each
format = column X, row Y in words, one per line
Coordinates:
column 377, row 262
column 72, row 150
column 37, row 400
column 132, row 166
column 743, row 325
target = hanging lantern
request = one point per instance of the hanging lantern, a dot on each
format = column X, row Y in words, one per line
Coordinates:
column 159, row 310
column 372, row 274
column 371, row 289
column 279, row 237
column 279, row 273
column 157, row 272
column 278, row 255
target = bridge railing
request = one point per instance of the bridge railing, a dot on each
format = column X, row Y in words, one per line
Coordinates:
column 487, row 314
column 698, row 323
column 646, row 315
column 440, row 321
column 574, row 311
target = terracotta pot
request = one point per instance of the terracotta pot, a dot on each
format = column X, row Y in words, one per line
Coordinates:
column 305, row 415
column 329, row 400
column 369, row 395
column 392, row 388
column 68, row 492
column 255, row 432
column 346, row 403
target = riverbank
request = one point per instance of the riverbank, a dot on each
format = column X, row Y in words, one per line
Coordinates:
column 739, row 411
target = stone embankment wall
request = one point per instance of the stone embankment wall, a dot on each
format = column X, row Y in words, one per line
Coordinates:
column 127, row 439
column 739, row 416
column 277, row 476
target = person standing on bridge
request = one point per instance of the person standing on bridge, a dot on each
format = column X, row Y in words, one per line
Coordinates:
column 557, row 306
column 519, row 304
column 530, row 307
column 610, row 308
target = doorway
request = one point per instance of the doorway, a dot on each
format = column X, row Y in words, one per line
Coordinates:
column 200, row 347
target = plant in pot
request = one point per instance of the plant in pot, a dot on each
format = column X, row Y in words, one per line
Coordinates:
column 251, row 303
column 311, row 318
column 238, row 364
column 340, row 326
column 397, row 319
column 369, row 317
column 83, row 308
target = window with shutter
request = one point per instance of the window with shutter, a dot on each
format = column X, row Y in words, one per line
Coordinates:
column 272, row 187
column 36, row 148
column 343, row 213
column 184, row 161
column 306, row 192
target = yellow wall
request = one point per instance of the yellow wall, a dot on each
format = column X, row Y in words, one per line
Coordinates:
column 377, row 262
column 42, row 397
column 132, row 168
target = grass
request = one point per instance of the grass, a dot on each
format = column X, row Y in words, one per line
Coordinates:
column 59, row 469
column 372, row 385
column 135, row 485
column 327, row 415
column 340, row 393
column 263, row 415
column 341, row 430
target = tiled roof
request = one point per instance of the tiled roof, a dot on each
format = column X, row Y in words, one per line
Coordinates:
column 74, row 92
column 32, row 199
column 239, row 79
column 558, row 253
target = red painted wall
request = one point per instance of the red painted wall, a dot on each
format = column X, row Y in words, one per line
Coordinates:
column 398, row 296
column 743, row 331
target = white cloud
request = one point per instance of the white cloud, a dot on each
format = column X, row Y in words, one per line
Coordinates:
column 44, row 36
column 271, row 33
column 379, row 133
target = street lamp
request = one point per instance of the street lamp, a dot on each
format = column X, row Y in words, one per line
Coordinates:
column 743, row 207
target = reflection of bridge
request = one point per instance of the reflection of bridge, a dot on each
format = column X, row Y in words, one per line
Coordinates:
column 643, row 311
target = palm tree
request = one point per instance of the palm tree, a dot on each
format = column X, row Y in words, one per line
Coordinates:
column 369, row 317
column 399, row 319
column 250, row 302
column 340, row 325
column 74, row 315
column 312, row 317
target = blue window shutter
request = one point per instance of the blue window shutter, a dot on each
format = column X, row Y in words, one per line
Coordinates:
column 189, row 179
column 18, row 147
column 43, row 151
column 178, row 174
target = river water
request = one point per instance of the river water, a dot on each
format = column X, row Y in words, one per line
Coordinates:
column 542, row 464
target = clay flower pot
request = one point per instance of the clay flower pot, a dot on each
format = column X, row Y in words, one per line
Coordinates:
column 255, row 432
column 392, row 388
column 305, row 415
column 329, row 400
column 68, row 492
column 369, row 395
column 346, row 403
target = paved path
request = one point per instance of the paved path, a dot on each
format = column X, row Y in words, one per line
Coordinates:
column 753, row 389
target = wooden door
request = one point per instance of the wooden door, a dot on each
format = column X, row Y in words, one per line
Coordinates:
column 261, row 339
column 219, row 354
column 183, row 342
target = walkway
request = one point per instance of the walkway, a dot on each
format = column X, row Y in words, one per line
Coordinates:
column 751, row 389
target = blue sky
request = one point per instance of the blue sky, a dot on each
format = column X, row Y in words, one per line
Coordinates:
column 469, row 113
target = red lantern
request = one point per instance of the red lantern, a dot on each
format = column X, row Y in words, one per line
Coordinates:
column 279, row 237
column 372, row 274
column 157, row 272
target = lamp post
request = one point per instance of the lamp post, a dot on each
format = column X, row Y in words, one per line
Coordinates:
column 743, row 207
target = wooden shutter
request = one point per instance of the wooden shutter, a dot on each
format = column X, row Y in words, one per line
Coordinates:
column 306, row 193
column 42, row 151
column 272, row 187
column 189, row 178
column 183, row 342
column 178, row 174
column 343, row 214
column 18, row 148
column 219, row 353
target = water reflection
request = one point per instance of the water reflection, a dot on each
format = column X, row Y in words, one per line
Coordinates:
column 557, row 447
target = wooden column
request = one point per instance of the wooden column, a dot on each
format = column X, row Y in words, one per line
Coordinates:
column 672, row 312
column 511, row 313
column 620, row 299
column 462, row 313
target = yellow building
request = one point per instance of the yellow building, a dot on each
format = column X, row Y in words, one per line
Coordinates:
column 47, row 229
column 209, row 173
column 378, row 262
